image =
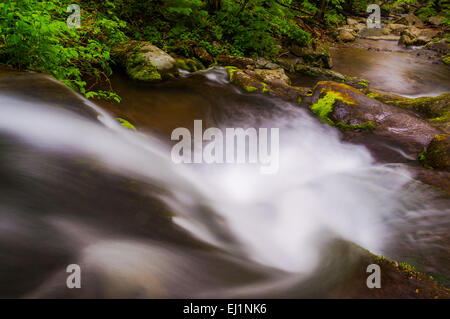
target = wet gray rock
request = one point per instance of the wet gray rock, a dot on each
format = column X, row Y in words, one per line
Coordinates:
column 263, row 63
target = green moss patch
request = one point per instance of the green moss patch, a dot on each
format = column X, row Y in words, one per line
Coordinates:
column 126, row 124
column 324, row 106
column 139, row 69
column 250, row 89
column 231, row 70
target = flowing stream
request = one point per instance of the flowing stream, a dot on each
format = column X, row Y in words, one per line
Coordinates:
column 77, row 188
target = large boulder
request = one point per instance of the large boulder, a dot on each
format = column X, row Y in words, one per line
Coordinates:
column 344, row 106
column 144, row 61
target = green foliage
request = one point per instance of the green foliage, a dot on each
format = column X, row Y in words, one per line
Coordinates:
column 426, row 12
column 332, row 17
column 126, row 124
column 104, row 95
column 35, row 36
column 241, row 27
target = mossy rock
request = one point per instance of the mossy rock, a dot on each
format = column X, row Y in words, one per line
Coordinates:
column 437, row 153
column 331, row 75
column 189, row 64
column 236, row 61
column 144, row 61
column 344, row 106
column 430, row 107
column 324, row 108
column 138, row 69
column 435, row 109
column 317, row 58
column 446, row 60
column 273, row 82
column 247, row 82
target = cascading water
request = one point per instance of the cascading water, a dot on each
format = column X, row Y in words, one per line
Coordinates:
column 266, row 226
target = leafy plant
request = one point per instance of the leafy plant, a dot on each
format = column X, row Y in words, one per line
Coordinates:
column 35, row 36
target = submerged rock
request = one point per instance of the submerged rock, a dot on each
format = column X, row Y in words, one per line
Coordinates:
column 144, row 61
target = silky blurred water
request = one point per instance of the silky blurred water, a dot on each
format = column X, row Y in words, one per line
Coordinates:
column 79, row 188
